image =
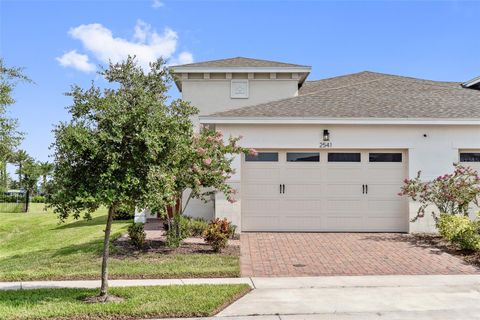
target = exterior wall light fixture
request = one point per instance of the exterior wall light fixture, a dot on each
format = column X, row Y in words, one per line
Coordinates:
column 326, row 135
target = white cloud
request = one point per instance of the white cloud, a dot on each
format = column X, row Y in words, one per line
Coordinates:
column 142, row 30
column 76, row 60
column 157, row 4
column 183, row 58
column 147, row 44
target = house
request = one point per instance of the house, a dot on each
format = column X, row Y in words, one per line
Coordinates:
column 333, row 152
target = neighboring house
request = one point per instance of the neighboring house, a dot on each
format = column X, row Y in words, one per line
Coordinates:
column 332, row 153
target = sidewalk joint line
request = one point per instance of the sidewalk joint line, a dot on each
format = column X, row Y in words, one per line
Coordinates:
column 253, row 283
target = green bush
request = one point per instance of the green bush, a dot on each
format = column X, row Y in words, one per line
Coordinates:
column 5, row 198
column 37, row 199
column 137, row 235
column 217, row 233
column 177, row 231
column 459, row 230
column 192, row 227
column 197, row 226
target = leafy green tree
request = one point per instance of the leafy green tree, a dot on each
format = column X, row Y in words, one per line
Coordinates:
column 116, row 148
column 45, row 169
column 19, row 158
column 31, row 175
column 10, row 137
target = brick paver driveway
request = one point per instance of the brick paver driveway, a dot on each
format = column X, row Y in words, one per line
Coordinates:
column 317, row 254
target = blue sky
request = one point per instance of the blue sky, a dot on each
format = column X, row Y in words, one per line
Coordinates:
column 61, row 42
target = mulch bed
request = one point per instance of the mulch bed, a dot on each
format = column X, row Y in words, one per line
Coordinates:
column 125, row 249
column 436, row 241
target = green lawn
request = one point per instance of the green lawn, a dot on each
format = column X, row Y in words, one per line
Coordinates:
column 34, row 246
column 140, row 302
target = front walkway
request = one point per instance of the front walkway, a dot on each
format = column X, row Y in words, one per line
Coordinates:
column 328, row 254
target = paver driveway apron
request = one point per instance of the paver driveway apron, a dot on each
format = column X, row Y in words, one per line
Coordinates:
column 317, row 254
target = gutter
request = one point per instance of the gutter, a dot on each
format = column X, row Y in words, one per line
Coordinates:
column 354, row 121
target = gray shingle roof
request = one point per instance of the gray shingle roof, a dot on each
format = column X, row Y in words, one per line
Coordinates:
column 241, row 62
column 370, row 95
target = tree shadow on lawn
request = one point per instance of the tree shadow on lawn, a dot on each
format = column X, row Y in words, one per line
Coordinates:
column 101, row 220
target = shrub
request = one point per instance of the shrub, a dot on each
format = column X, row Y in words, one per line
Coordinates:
column 124, row 212
column 137, row 235
column 217, row 233
column 193, row 227
column 12, row 198
column 177, row 231
column 37, row 199
column 197, row 226
column 459, row 230
column 450, row 193
column 232, row 231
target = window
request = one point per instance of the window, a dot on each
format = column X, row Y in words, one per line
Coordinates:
column 263, row 156
column 384, row 157
column 343, row 157
column 303, row 156
column 469, row 156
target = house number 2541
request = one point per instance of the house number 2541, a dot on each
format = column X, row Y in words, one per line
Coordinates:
column 325, row 144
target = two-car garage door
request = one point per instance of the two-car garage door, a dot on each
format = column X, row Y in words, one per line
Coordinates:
column 353, row 190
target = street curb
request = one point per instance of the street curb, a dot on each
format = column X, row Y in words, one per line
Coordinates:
column 90, row 284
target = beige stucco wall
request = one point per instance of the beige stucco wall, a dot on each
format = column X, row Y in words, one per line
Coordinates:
column 212, row 96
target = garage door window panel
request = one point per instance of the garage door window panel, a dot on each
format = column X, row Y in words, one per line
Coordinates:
column 344, row 157
column 384, row 157
column 262, row 157
column 303, row 157
column 470, row 157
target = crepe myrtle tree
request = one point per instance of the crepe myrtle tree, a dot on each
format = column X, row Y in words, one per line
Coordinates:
column 450, row 194
column 117, row 147
column 203, row 166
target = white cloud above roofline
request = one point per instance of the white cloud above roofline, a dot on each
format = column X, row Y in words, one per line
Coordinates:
column 146, row 44
column 77, row 61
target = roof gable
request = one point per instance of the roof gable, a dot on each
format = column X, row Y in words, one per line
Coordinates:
column 241, row 62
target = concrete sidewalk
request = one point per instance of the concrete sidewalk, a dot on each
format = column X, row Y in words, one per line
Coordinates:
column 359, row 298
column 267, row 282
column 119, row 283
column 371, row 297
column 337, row 298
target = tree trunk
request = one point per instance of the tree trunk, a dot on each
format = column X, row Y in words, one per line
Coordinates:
column 44, row 184
column 106, row 250
column 20, row 175
column 27, row 200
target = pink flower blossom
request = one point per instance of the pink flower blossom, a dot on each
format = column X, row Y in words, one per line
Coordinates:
column 232, row 200
column 201, row 151
column 252, row 152
column 207, row 161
